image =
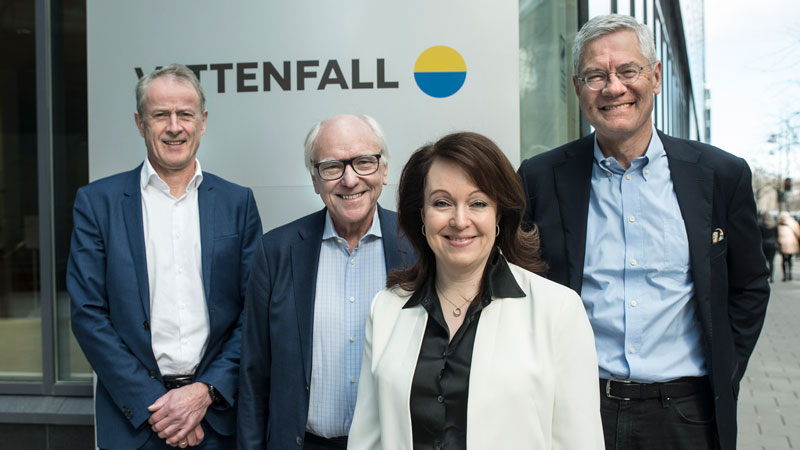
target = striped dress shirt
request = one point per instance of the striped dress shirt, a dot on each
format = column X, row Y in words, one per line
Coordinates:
column 346, row 283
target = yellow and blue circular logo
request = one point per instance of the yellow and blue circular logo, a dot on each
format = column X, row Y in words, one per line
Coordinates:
column 440, row 71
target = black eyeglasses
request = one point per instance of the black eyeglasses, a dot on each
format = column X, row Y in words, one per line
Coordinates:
column 627, row 75
column 334, row 169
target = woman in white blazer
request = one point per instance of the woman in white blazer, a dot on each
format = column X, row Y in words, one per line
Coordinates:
column 469, row 348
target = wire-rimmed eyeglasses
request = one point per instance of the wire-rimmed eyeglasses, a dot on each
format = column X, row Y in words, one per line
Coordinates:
column 333, row 169
column 626, row 74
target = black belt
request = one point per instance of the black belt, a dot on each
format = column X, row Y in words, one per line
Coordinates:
column 334, row 442
column 628, row 390
column 176, row 381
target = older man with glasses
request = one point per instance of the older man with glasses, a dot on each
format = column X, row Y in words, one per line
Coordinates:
column 659, row 237
column 309, row 294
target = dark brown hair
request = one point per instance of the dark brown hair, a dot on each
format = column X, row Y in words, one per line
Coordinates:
column 493, row 174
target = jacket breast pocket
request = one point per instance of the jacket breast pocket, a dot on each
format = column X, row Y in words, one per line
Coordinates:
column 226, row 249
column 719, row 249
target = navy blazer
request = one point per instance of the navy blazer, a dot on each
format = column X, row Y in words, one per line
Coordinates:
column 730, row 277
column 279, row 312
column 108, row 282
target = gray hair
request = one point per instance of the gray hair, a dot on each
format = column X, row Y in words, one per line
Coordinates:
column 610, row 23
column 176, row 71
column 311, row 138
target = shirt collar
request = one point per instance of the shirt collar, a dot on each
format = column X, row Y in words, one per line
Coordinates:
column 499, row 282
column 655, row 151
column 329, row 232
column 150, row 177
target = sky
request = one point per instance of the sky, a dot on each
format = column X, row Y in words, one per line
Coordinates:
column 753, row 71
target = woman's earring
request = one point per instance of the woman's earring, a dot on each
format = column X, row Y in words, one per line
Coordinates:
column 423, row 230
column 497, row 230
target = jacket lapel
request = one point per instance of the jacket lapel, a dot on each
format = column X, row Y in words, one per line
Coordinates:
column 694, row 188
column 305, row 259
column 206, row 196
column 573, row 180
column 132, row 216
column 393, row 251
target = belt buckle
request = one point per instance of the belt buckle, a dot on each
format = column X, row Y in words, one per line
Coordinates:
column 177, row 381
column 608, row 389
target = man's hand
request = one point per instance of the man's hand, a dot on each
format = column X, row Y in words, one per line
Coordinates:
column 193, row 438
column 176, row 415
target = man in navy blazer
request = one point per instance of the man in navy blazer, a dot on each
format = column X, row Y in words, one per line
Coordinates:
column 158, row 266
column 310, row 290
column 659, row 236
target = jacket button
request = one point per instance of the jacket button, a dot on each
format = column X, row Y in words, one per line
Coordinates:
column 299, row 440
column 152, row 373
column 146, row 325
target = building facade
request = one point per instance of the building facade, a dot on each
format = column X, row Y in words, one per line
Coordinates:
column 45, row 382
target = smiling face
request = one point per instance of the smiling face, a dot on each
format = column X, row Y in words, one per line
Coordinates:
column 459, row 219
column 171, row 124
column 352, row 199
column 618, row 113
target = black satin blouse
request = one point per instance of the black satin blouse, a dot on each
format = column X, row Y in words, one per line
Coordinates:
column 439, row 390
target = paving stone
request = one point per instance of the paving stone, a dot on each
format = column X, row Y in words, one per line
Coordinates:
column 773, row 442
column 769, row 397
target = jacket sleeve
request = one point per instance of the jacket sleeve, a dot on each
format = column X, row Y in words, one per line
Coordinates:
column 254, row 377
column 365, row 431
column 223, row 372
column 576, row 406
column 131, row 385
column 748, row 285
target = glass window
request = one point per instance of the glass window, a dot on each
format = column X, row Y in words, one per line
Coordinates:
column 20, row 299
column 638, row 10
column 670, row 100
column 549, row 114
column 70, row 167
column 659, row 98
column 664, row 85
column 599, row 7
column 624, row 7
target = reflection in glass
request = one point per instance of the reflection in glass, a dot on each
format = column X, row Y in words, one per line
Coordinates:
column 624, row 7
column 599, row 7
column 549, row 114
column 639, row 13
column 70, row 166
column 20, row 299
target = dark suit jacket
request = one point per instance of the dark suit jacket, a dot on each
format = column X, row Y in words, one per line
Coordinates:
column 108, row 282
column 279, row 311
column 730, row 278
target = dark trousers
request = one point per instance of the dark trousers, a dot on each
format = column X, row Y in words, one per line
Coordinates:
column 787, row 266
column 769, row 252
column 313, row 442
column 685, row 423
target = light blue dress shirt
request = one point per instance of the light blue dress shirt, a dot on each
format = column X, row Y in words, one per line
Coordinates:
column 346, row 284
column 637, row 287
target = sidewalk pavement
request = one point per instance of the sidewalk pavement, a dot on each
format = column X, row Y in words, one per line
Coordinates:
column 769, row 396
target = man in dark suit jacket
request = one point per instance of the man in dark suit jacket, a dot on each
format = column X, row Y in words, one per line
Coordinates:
column 310, row 290
column 158, row 266
column 659, row 236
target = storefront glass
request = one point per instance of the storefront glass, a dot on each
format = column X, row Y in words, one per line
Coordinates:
column 20, row 299
column 549, row 114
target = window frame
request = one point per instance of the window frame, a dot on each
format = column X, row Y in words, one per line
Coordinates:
column 49, row 384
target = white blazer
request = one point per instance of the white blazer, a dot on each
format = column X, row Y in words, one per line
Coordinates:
column 533, row 382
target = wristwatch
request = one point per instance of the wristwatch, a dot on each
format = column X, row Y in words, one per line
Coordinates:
column 216, row 399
